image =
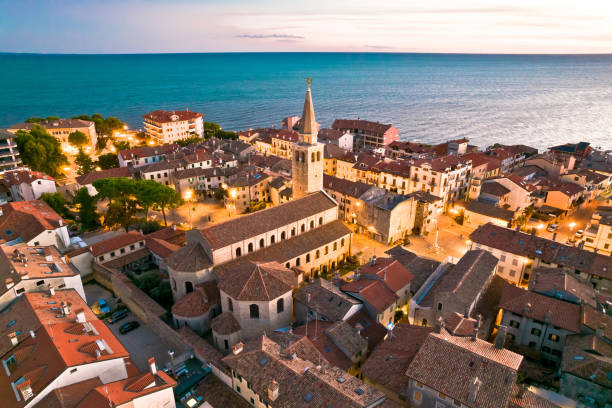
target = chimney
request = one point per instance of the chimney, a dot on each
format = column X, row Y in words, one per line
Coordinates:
column 173, row 227
column 13, row 337
column 32, row 334
column 466, row 312
column 60, row 222
column 25, row 389
column 554, row 237
column 98, row 354
column 500, row 339
column 521, row 391
column 152, row 365
column 237, row 349
column 273, row 391
column 547, row 316
column 474, row 387
column 65, row 308
column 527, row 308
column 600, row 330
column 439, row 325
column 51, row 291
column 533, row 231
column 476, row 327
column 80, row 316
column 373, row 261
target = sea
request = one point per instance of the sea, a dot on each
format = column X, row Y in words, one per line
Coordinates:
column 538, row 100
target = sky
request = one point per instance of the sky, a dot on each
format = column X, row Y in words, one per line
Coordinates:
column 160, row 26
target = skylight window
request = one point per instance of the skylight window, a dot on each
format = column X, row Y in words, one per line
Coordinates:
column 308, row 397
column 11, row 323
column 359, row 391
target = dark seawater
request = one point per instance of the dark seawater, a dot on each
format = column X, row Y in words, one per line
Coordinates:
column 535, row 100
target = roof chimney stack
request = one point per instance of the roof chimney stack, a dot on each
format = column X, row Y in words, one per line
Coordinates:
column 554, row 237
column 476, row 327
column 152, row 365
column 51, row 291
column 237, row 349
column 439, row 325
column 500, row 339
column 474, row 387
column 373, row 260
column 273, row 391
column 80, row 316
column 14, row 339
column 32, row 334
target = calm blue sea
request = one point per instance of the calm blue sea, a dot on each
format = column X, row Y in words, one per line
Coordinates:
column 536, row 100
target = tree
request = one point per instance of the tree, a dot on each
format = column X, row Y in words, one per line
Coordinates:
column 121, row 212
column 108, row 161
column 143, row 138
column 40, row 151
column 103, row 126
column 78, row 138
column 121, row 144
column 102, row 142
column 188, row 141
column 55, row 201
column 166, row 198
column 87, row 208
column 37, row 120
column 86, row 165
column 147, row 192
column 212, row 129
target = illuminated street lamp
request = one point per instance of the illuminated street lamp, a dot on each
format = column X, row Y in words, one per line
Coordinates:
column 572, row 225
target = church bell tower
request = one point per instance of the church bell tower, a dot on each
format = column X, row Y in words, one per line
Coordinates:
column 307, row 162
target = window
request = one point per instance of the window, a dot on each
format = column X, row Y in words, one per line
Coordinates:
column 417, row 397
column 307, row 258
column 335, row 246
column 303, row 227
column 262, row 243
column 439, row 306
column 312, row 157
column 515, row 324
column 293, row 232
column 311, row 224
column 40, row 283
column 188, row 287
column 74, row 370
column 342, row 242
column 141, row 244
column 320, row 220
column 254, row 311
column 500, row 269
column 272, row 239
column 512, row 272
column 250, row 247
column 317, row 254
column 230, row 305
column 237, row 387
column 122, row 250
column 536, row 332
column 238, row 252
column 515, row 262
column 318, row 156
column 282, row 235
column 113, row 254
column 132, row 247
column 502, row 258
column 553, row 337
column 326, row 249
column 532, row 344
column 280, row 305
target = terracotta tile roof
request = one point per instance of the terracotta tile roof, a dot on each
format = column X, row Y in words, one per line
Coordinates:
column 302, row 346
column 369, row 328
column 361, row 126
column 326, row 299
column 459, row 325
column 161, row 248
column 89, row 178
column 347, row 338
column 241, row 228
column 70, row 396
column 254, row 281
column 569, row 189
column 541, row 308
column 190, row 258
column 596, row 320
column 198, row 302
column 218, row 394
column 330, row 134
column 388, row 363
column 588, row 357
column 173, row 235
column 529, row 399
column 523, row 244
column 494, row 188
column 27, row 219
column 410, row 147
column 17, row 177
column 495, row 369
column 520, row 182
column 489, row 210
column 116, row 242
column 315, row 331
column 420, row 268
column 441, row 164
column 148, row 151
column 389, row 270
column 127, row 259
column 289, row 249
column 162, row 116
column 55, row 124
column 301, row 383
column 225, row 324
column 354, row 189
column 555, row 281
column 375, row 292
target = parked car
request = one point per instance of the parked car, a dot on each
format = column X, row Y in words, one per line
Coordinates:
column 128, row 327
column 579, row 233
column 552, row 227
column 104, row 308
column 118, row 315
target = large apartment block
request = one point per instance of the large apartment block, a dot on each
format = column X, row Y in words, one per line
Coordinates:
column 9, row 155
column 170, row 126
column 62, row 128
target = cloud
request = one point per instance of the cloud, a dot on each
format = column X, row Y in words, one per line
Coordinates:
column 265, row 36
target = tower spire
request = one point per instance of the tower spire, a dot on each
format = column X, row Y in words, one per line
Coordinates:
column 308, row 126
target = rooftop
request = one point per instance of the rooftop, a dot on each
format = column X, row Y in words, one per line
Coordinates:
column 198, row 302
column 21, row 221
column 18, row 263
column 489, row 210
column 162, row 116
column 258, row 281
column 116, row 242
column 361, row 126
column 557, row 283
column 189, row 258
column 248, row 226
column 55, row 124
column 326, row 299
column 89, row 178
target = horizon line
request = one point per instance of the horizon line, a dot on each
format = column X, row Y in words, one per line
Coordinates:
column 305, row 52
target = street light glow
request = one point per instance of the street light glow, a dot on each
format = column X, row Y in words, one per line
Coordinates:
column 572, row 225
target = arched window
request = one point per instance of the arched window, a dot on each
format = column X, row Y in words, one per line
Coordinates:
column 254, row 311
column 312, row 157
column 238, row 251
column 342, row 242
column 250, row 247
column 326, row 249
column 262, row 243
column 318, row 156
column 307, row 258
column 293, row 232
column 230, row 305
column 320, row 220
column 312, row 224
column 280, row 305
column 335, row 246
column 297, row 261
column 188, row 287
column 282, row 235
column 302, row 157
column 303, row 227
column 317, row 254
column 287, row 265
column 272, row 239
